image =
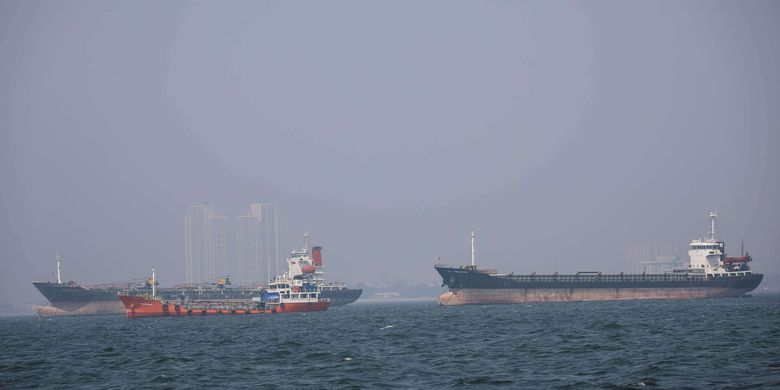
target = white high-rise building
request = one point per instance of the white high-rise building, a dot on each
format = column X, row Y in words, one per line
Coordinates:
column 217, row 258
column 248, row 265
column 269, row 239
column 195, row 233
column 206, row 237
column 210, row 245
column 257, row 248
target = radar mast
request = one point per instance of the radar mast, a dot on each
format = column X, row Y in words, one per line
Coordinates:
column 473, row 250
column 713, row 216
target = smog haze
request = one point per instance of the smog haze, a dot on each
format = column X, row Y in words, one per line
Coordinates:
column 561, row 132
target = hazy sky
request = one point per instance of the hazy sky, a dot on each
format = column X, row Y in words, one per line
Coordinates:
column 560, row 131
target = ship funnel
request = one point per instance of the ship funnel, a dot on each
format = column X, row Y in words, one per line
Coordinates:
column 316, row 255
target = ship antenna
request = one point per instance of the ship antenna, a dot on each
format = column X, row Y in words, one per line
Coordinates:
column 713, row 215
column 154, row 284
column 473, row 250
column 59, row 275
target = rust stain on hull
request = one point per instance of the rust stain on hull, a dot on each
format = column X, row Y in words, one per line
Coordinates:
column 82, row 309
column 474, row 296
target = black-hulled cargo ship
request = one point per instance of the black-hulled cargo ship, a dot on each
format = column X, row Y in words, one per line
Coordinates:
column 339, row 294
column 72, row 299
column 710, row 274
column 73, row 292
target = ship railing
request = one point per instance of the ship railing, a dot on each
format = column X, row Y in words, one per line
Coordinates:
column 589, row 278
column 117, row 285
column 595, row 276
column 224, row 306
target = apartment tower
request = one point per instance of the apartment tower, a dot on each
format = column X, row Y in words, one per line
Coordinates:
column 257, row 250
column 206, row 236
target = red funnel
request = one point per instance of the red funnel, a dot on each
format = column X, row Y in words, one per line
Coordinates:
column 316, row 255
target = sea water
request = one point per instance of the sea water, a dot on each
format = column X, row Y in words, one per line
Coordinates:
column 710, row 343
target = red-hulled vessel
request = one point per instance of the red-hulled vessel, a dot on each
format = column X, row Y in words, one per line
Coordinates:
column 284, row 295
column 136, row 306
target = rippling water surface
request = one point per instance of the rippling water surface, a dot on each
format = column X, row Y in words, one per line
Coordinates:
column 718, row 343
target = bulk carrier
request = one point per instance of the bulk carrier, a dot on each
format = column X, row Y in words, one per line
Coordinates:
column 710, row 274
column 72, row 299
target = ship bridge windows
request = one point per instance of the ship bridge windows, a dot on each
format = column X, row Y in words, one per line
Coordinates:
column 706, row 247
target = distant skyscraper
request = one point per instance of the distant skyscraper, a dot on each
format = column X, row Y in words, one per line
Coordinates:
column 206, row 244
column 210, row 242
column 257, row 250
column 269, row 242
column 217, row 255
column 247, row 250
column 195, row 232
column 653, row 258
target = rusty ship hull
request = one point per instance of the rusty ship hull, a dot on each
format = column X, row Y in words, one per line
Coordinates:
column 469, row 285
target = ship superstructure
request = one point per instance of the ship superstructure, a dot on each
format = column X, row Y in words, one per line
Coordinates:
column 305, row 265
column 709, row 255
column 710, row 275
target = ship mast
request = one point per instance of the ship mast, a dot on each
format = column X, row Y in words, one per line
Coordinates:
column 59, row 275
column 305, row 241
column 713, row 215
column 473, row 251
column 154, row 284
